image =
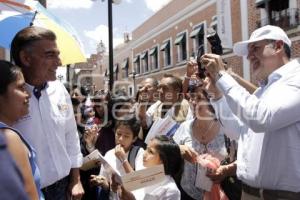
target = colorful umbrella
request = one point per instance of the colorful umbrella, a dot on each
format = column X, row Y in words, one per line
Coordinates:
column 16, row 15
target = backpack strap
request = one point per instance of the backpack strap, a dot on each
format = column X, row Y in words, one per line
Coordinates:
column 132, row 155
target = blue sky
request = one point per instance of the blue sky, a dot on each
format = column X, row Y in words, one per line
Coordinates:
column 89, row 18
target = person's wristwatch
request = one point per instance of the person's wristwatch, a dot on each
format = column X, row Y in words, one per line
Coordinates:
column 220, row 74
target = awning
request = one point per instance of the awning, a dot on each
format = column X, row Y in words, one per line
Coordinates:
column 196, row 31
column 152, row 51
column 179, row 39
column 116, row 68
column 143, row 56
column 136, row 59
column 260, row 3
column 165, row 45
column 277, row 5
column 125, row 64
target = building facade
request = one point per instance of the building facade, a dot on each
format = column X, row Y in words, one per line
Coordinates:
column 168, row 39
column 174, row 34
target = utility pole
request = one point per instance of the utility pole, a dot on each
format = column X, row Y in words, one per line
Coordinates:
column 110, row 45
column 43, row 2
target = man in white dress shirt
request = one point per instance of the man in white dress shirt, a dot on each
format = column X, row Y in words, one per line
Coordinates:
column 268, row 122
column 50, row 125
column 171, row 101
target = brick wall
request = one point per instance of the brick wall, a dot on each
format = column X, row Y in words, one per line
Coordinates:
column 203, row 12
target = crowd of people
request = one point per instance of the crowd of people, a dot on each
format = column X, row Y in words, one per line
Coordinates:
column 241, row 138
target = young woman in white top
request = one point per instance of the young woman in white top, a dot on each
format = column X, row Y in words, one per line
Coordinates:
column 160, row 150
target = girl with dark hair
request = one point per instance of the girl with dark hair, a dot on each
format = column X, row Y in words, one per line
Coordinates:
column 14, row 104
column 160, row 150
column 125, row 157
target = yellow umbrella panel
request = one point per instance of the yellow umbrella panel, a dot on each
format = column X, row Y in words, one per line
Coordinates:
column 70, row 51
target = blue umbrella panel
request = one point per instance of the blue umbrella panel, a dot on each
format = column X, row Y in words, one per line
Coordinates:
column 10, row 26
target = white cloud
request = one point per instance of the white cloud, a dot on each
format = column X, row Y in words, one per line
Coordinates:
column 155, row 5
column 128, row 1
column 101, row 33
column 69, row 4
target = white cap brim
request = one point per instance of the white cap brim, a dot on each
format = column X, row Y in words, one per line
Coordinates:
column 241, row 48
column 264, row 33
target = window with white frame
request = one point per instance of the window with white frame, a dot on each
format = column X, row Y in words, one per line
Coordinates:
column 144, row 58
column 124, row 67
column 181, row 43
column 166, row 49
column 198, row 38
column 137, row 64
column 116, row 71
column 214, row 23
column 153, row 58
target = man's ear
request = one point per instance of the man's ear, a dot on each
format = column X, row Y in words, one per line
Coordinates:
column 25, row 58
column 279, row 45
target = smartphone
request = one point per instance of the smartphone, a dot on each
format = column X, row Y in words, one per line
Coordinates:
column 201, row 69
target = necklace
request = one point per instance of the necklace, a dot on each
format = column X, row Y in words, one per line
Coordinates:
column 203, row 134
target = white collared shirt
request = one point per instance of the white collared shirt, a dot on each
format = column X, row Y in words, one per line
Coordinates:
column 171, row 112
column 164, row 190
column 50, row 128
column 269, row 128
column 116, row 164
column 111, row 158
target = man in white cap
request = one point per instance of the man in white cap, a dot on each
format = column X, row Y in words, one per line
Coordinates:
column 267, row 122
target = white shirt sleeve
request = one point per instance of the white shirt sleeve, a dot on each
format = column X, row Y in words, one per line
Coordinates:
column 231, row 125
column 150, row 112
column 139, row 160
column 267, row 113
column 72, row 138
column 103, row 171
column 182, row 135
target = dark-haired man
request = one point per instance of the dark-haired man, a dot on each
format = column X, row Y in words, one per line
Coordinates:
column 171, row 101
column 50, row 126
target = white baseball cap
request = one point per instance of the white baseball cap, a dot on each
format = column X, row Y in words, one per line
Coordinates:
column 267, row 32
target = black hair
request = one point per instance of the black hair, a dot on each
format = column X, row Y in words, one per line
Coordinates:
column 27, row 37
column 118, row 103
column 118, row 100
column 287, row 50
column 193, row 89
column 103, row 98
column 133, row 124
column 176, row 82
column 8, row 74
column 169, row 153
column 137, row 96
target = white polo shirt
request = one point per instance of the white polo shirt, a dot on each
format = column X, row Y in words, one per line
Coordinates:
column 50, row 128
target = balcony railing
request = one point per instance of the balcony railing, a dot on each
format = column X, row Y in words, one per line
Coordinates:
column 286, row 19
